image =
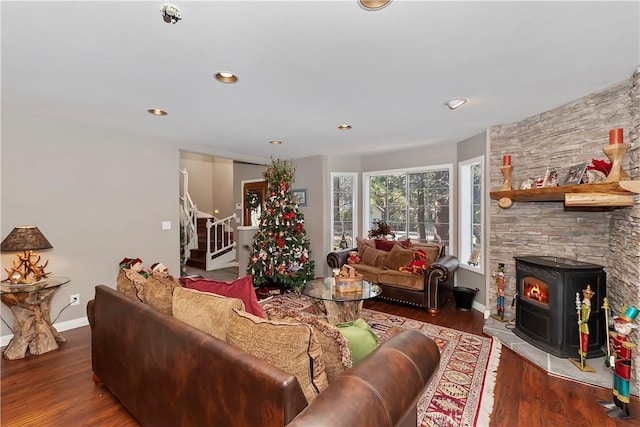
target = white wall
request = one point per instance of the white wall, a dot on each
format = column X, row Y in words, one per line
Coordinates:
column 200, row 170
column 98, row 195
column 210, row 183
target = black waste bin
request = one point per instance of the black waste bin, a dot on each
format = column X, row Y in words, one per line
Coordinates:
column 464, row 297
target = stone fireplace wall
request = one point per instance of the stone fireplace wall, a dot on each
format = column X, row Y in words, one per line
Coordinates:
column 572, row 133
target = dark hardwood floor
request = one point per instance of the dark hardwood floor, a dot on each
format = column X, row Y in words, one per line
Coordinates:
column 56, row 389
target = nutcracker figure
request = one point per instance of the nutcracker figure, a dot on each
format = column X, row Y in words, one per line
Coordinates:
column 501, row 282
column 584, row 312
column 621, row 364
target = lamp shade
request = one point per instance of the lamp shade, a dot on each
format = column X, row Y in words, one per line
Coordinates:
column 25, row 238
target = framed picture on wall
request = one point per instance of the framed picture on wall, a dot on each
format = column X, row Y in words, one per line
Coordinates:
column 301, row 195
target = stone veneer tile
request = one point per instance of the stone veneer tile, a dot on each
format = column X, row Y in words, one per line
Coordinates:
column 573, row 133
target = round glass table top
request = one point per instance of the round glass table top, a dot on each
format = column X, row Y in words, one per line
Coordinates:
column 7, row 287
column 325, row 289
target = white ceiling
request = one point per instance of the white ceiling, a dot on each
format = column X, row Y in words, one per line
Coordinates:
column 306, row 67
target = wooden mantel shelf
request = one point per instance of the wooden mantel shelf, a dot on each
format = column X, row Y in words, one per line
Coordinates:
column 607, row 194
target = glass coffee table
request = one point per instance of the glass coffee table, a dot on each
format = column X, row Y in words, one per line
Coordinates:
column 337, row 306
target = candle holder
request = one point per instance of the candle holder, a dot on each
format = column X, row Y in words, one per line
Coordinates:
column 506, row 172
column 615, row 153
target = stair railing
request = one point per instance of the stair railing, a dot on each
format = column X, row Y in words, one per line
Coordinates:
column 189, row 214
column 222, row 235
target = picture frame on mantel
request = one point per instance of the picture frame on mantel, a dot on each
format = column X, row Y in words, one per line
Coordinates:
column 574, row 175
column 301, row 195
column 551, row 177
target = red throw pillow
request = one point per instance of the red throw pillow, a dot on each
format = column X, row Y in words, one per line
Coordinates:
column 387, row 245
column 241, row 288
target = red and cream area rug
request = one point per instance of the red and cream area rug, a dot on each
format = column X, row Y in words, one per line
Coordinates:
column 461, row 391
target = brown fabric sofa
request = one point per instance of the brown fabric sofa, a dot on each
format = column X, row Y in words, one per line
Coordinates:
column 168, row 373
column 429, row 289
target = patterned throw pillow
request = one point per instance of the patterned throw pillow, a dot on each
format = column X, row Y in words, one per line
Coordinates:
column 208, row 312
column 292, row 347
column 124, row 282
column 156, row 291
column 398, row 257
column 374, row 257
column 336, row 355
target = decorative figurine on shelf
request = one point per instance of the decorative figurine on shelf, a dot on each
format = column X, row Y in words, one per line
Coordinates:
column 622, row 355
column 584, row 312
column 501, row 282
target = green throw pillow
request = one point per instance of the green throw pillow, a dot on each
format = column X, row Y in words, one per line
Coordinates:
column 360, row 338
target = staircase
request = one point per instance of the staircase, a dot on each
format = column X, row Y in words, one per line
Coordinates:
column 215, row 247
column 206, row 242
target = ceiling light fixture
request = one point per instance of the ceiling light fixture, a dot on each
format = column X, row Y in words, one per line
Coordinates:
column 373, row 4
column 275, row 142
column 226, row 77
column 157, row 112
column 456, row 102
column 344, row 127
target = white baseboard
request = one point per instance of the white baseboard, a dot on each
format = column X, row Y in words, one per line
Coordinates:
column 62, row 326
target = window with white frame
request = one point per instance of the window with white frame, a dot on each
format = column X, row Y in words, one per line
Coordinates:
column 471, row 213
column 343, row 207
column 415, row 202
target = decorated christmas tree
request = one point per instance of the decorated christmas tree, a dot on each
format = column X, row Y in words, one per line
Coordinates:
column 280, row 249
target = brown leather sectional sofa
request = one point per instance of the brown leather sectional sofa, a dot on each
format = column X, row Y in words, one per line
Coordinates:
column 167, row 373
column 429, row 290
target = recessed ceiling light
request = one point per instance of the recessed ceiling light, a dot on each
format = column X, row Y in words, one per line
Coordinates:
column 157, row 112
column 344, row 127
column 373, row 4
column 275, row 142
column 456, row 102
column 226, row 77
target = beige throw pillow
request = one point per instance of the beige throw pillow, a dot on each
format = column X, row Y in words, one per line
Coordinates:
column 208, row 312
column 374, row 257
column 398, row 257
column 291, row 347
column 363, row 243
column 432, row 250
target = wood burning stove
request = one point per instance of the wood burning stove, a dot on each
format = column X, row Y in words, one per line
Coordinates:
column 546, row 314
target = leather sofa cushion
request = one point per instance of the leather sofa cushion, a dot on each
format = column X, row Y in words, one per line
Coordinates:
column 401, row 279
column 373, row 257
column 398, row 257
column 292, row 347
column 336, row 355
column 205, row 311
column 240, row 288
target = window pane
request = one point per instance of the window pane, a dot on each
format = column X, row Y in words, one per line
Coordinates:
column 414, row 204
column 343, row 201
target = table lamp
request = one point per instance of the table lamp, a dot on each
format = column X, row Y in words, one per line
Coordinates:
column 26, row 239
